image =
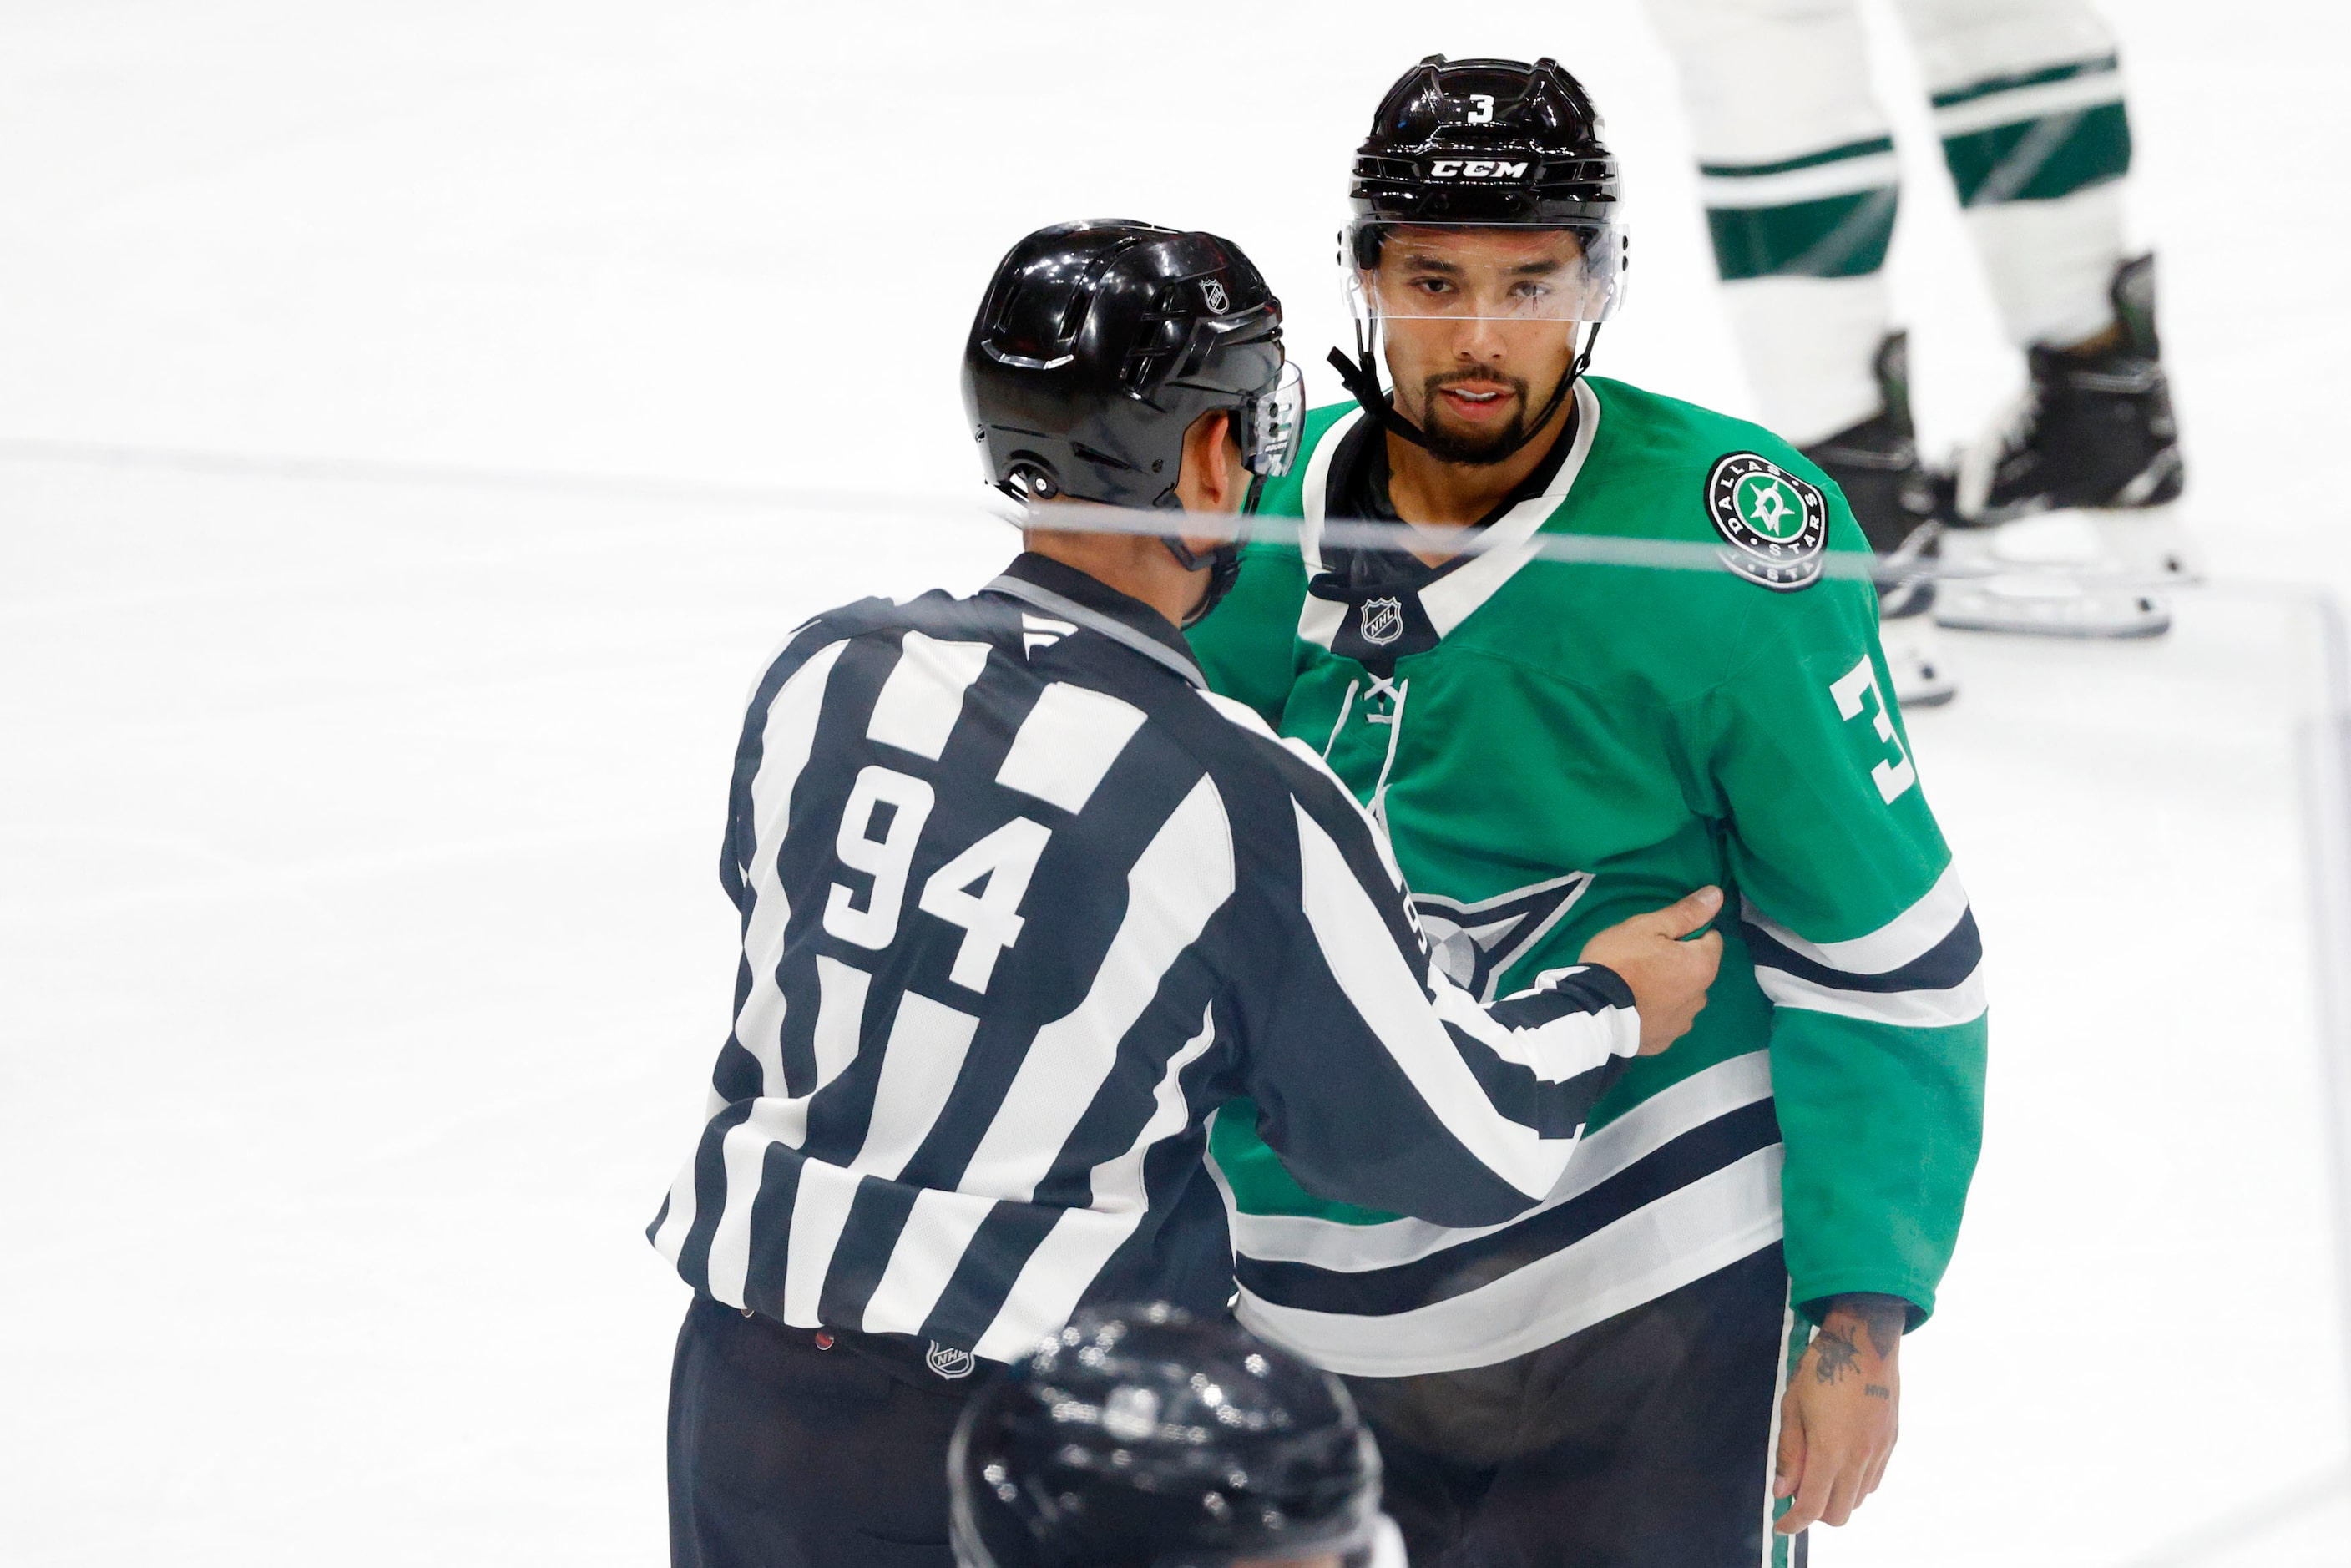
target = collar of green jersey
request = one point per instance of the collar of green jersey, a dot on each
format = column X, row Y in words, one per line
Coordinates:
column 1450, row 592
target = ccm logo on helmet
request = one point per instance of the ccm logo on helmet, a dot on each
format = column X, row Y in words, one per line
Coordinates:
column 1475, row 168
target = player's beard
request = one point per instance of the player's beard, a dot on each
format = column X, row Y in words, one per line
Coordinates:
column 1473, row 448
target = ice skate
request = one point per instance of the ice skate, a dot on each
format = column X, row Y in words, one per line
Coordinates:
column 2091, row 443
column 1876, row 463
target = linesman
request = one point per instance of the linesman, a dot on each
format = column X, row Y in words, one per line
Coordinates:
column 1023, row 904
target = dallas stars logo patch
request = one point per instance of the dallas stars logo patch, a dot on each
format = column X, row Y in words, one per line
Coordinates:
column 1776, row 524
column 1474, row 944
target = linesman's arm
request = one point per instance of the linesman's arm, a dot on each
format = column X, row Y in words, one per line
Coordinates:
column 1382, row 1084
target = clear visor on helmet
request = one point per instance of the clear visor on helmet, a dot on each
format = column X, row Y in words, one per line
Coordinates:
column 1491, row 272
column 1269, row 423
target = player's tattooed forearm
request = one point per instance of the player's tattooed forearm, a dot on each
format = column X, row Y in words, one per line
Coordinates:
column 1836, row 1355
column 1877, row 1391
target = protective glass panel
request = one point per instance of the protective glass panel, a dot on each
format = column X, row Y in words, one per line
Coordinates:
column 557, row 669
column 1486, row 272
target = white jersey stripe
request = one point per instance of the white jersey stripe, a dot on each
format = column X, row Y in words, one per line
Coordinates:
column 1067, row 743
column 1786, row 187
column 1552, row 1053
column 1318, row 619
column 1639, row 1133
column 1963, row 1003
column 1057, row 1274
column 930, row 1246
column 1387, row 995
column 840, row 1015
column 1182, row 878
column 1907, row 938
column 1117, row 1182
column 669, row 1239
column 785, row 740
column 1451, row 599
column 1684, row 1235
column 819, row 1210
column 924, row 696
column 743, row 1154
column 2014, row 107
column 920, row 1063
column 1073, row 1251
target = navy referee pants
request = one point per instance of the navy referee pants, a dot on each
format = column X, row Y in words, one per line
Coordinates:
column 783, row 1454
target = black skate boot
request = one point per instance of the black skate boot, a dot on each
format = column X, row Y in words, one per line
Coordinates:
column 2092, row 430
column 1876, row 463
column 2093, row 435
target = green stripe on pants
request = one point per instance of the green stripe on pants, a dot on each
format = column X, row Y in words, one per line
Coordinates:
column 1787, row 1550
column 2040, row 160
column 1837, row 237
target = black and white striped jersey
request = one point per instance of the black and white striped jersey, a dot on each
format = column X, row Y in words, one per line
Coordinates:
column 1022, row 904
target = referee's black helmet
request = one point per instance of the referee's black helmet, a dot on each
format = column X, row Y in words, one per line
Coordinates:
column 1140, row 1438
column 1099, row 344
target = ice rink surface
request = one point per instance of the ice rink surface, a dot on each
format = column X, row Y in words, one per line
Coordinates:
column 361, row 956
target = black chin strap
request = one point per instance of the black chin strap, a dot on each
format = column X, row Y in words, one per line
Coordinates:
column 1224, row 567
column 1364, row 382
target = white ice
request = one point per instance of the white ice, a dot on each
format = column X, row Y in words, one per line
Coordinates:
column 360, row 950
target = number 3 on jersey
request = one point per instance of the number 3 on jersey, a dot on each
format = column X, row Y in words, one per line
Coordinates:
column 1893, row 774
column 990, row 919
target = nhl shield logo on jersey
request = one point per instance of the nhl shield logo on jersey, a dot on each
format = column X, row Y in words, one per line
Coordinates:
column 949, row 1361
column 1383, row 621
column 1776, row 524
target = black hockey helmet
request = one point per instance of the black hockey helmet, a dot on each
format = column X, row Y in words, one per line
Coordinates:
column 1483, row 144
column 1143, row 1439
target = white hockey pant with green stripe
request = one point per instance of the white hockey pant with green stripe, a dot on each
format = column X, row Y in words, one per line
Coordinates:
column 1798, row 171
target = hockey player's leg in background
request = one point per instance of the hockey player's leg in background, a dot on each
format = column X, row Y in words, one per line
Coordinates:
column 2028, row 100
column 1797, row 166
column 1645, row 1441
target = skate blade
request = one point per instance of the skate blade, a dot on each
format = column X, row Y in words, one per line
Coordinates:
column 2143, row 544
column 2149, row 545
column 2042, row 607
column 1914, row 659
column 1915, row 691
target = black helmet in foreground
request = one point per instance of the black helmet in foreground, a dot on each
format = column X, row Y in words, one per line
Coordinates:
column 1478, row 144
column 1145, row 1439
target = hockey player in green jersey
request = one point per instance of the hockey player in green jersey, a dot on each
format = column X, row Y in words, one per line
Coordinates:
column 1699, row 1332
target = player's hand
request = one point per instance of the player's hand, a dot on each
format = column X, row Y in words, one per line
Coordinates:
column 1669, row 975
column 1838, row 1422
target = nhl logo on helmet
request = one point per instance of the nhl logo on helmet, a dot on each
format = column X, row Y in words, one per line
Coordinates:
column 1212, row 294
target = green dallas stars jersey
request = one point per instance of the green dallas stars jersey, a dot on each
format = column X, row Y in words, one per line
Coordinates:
column 1574, row 744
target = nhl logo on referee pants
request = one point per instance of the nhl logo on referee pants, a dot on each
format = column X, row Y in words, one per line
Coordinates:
column 947, row 1363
